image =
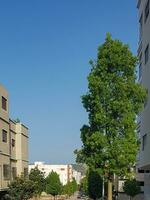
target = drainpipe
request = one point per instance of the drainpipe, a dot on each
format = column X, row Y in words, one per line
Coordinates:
column 1, row 172
column 10, row 148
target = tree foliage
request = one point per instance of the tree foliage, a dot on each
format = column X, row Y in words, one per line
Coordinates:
column 70, row 188
column 21, row 189
column 84, row 185
column 38, row 178
column 132, row 187
column 94, row 185
column 53, row 184
column 113, row 100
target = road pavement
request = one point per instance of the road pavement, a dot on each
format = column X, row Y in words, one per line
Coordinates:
column 77, row 196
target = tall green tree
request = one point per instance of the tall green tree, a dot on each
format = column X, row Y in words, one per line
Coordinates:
column 39, row 180
column 53, row 184
column 113, row 100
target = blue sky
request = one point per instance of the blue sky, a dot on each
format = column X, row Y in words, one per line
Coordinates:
column 45, row 47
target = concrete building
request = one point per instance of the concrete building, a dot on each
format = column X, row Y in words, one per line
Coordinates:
column 66, row 172
column 13, row 144
column 77, row 175
column 143, row 164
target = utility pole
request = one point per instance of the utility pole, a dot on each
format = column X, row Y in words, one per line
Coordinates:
column 103, row 189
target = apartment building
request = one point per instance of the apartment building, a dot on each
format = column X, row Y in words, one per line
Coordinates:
column 77, row 176
column 13, row 144
column 66, row 172
column 143, row 120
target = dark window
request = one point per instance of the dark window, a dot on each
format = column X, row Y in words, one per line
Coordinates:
column 4, row 103
column 141, row 171
column 13, row 143
column 140, row 66
column 144, row 141
column 6, row 172
column 140, row 58
column 140, row 26
column 146, row 54
column 140, row 71
column 14, row 172
column 147, row 171
column 25, row 172
column 4, row 136
column 146, row 10
column 141, row 183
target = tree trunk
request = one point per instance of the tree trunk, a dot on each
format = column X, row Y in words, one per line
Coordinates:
column 109, row 190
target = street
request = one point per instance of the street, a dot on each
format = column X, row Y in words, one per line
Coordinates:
column 78, row 196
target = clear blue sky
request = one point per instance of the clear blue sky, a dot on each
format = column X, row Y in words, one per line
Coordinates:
column 45, row 46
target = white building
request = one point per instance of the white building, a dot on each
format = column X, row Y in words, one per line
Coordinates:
column 143, row 163
column 78, row 176
column 65, row 172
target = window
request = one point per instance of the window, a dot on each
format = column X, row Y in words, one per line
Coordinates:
column 144, row 139
column 6, row 172
column 13, row 143
column 25, row 172
column 140, row 71
column 146, row 54
column 141, row 183
column 140, row 67
column 141, row 171
column 146, row 10
column 140, row 26
column 14, row 172
column 4, row 103
column 4, row 136
column 147, row 171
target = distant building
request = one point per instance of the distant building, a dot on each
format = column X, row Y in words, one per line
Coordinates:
column 66, row 172
column 78, row 176
column 13, row 144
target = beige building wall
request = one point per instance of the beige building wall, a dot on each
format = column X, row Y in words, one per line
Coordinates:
column 13, row 144
column 22, row 148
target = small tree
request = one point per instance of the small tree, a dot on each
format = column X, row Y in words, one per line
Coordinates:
column 21, row 189
column 38, row 178
column 74, row 185
column 94, row 185
column 132, row 188
column 53, row 184
column 84, row 185
column 70, row 188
